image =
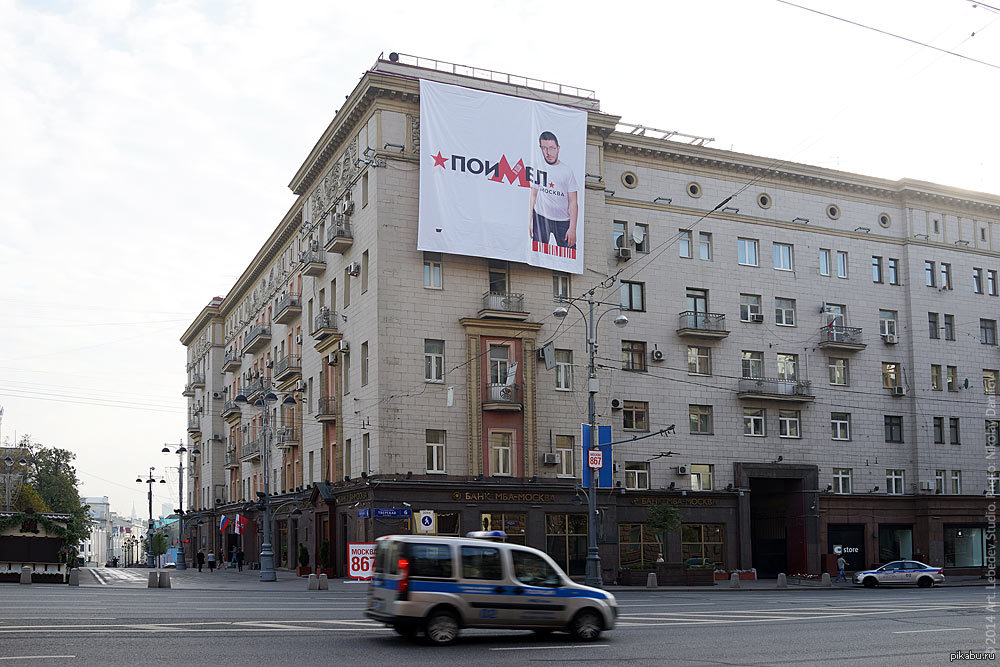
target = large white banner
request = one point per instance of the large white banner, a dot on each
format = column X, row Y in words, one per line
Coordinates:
column 501, row 177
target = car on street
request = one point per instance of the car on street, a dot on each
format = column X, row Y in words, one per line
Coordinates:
column 901, row 572
column 435, row 586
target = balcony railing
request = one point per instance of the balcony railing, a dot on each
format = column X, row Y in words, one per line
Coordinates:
column 188, row 390
column 194, row 424
column 502, row 397
column 313, row 262
column 197, row 380
column 339, row 237
column 324, row 324
column 287, row 308
column 503, row 301
column 255, row 387
column 286, row 436
column 257, row 338
column 251, row 448
column 229, row 409
column 700, row 324
column 232, row 460
column 287, row 366
column 231, row 362
column 833, row 335
column 327, row 409
column 776, row 388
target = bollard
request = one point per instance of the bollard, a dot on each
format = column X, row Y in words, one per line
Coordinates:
column 154, row 581
column 74, row 577
column 782, row 580
column 826, row 583
column 164, row 579
column 734, row 580
column 651, row 580
column 313, row 583
column 26, row 574
column 324, row 583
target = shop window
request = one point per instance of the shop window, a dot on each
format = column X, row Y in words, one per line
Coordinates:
column 566, row 541
column 964, row 546
column 895, row 543
column 703, row 543
column 512, row 523
column 638, row 546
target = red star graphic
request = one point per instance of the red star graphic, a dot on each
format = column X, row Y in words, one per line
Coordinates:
column 439, row 160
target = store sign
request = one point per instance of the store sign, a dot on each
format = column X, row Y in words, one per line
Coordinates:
column 673, row 500
column 501, row 177
column 839, row 550
column 393, row 513
column 361, row 560
column 504, row 497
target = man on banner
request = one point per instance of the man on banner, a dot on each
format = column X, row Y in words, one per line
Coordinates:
column 554, row 205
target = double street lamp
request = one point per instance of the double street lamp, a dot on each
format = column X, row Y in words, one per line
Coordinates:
column 590, row 323
column 181, row 450
column 150, row 563
column 270, row 397
column 9, row 477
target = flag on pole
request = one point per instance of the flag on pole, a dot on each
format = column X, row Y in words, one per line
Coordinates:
column 241, row 524
column 223, row 522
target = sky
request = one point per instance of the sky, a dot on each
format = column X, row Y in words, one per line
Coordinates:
column 146, row 148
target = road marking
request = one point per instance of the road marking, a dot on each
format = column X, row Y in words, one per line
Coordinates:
column 35, row 657
column 546, row 648
column 909, row 632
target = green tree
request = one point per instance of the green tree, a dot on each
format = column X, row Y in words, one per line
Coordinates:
column 159, row 544
column 663, row 519
column 51, row 474
column 29, row 498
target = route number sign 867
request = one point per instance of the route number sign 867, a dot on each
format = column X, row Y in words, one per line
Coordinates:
column 360, row 560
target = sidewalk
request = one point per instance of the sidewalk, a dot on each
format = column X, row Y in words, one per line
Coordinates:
column 772, row 585
column 220, row 579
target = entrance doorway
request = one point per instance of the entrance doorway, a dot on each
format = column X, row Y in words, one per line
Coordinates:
column 777, row 526
column 850, row 537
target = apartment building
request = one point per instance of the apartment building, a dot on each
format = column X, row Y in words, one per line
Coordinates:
column 819, row 349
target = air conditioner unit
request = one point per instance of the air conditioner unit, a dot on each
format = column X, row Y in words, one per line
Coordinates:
column 314, row 244
column 298, row 339
column 347, row 206
column 657, row 355
column 899, row 391
column 756, row 317
column 216, row 394
column 354, row 269
column 623, row 253
column 300, row 385
column 334, row 360
column 338, row 218
column 550, row 458
column 890, row 339
column 926, row 485
column 682, row 469
column 616, row 404
column 269, row 363
column 345, row 346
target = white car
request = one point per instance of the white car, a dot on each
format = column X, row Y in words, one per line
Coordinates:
column 901, row 572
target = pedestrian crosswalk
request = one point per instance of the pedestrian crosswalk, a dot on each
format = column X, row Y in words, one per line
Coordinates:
column 112, row 576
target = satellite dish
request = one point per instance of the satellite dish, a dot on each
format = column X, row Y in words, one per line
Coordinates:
column 638, row 235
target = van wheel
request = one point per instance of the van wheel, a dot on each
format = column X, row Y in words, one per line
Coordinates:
column 870, row 582
column 925, row 582
column 585, row 626
column 441, row 628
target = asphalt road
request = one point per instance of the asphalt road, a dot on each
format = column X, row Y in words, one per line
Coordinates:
column 115, row 622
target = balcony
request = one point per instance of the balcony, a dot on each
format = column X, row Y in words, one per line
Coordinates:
column 288, row 367
column 286, row 437
column 251, row 449
column 502, row 398
column 835, row 337
column 325, row 324
column 258, row 339
column 197, row 381
column 339, row 238
column 313, row 262
column 230, row 411
column 503, row 305
column 327, row 410
column 287, row 308
column 696, row 324
column 255, row 389
column 194, row 425
column 188, row 390
column 231, row 362
column 232, row 460
column 775, row 389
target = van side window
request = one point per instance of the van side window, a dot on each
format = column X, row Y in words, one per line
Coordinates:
column 532, row 570
column 430, row 560
column 481, row 563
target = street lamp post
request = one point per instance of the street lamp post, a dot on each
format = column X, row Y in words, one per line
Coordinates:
column 267, row 572
column 181, row 450
column 8, row 476
column 593, row 556
column 149, row 530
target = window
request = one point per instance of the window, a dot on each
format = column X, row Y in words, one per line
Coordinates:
column 512, row 523
column 700, row 419
column 788, row 424
column 499, row 363
column 784, row 312
column 991, row 380
column 704, row 542
column 564, row 450
column 752, row 364
column 840, row 425
column 949, row 327
column 838, row 371
column 890, row 375
column 347, row 287
column 933, row 329
column 481, row 563
column 348, row 457
column 638, row 546
column 956, row 482
column 788, row 367
column 364, row 271
column 969, row 546
column 701, row 476
column 636, row 475
column 366, row 453
column 633, row 295
column 433, row 360
column 642, row 233
column 500, row 450
column 946, row 276
column 684, row 243
column 560, row 285
column 929, row 274
column 842, row 480
column 746, row 252
column 939, row 482
column 564, row 370
column 749, row 306
column 532, row 570
column 876, row 269
column 435, row 450
column 635, row 415
column 783, row 256
column 704, row 245
column 824, row 262
column 347, row 372
column 364, row 363
column 619, row 234
column 699, row 360
column 977, row 280
column 633, row 355
column 954, row 432
column 498, row 275
column 952, row 378
column 753, row 422
column 988, row 332
column 893, row 428
column 887, row 322
column 841, row 264
column 894, row 481
column 939, row 430
column 893, row 271
column 566, row 541
column 935, row 377
column 991, row 282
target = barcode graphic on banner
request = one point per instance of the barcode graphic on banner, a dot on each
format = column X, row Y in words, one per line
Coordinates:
column 556, row 250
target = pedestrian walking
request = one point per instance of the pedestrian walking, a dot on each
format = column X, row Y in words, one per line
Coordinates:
column 201, row 559
column 841, row 565
column 239, row 560
column 211, row 561
column 221, row 558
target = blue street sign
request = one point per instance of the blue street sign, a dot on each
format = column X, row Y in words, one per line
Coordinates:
column 426, row 520
column 605, row 478
column 364, row 514
column 393, row 512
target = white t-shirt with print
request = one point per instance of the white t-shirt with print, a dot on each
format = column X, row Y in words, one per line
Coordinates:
column 552, row 199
